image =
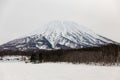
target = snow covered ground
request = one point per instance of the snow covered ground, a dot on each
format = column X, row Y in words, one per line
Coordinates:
column 57, row 71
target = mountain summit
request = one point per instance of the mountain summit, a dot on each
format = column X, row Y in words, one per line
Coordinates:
column 57, row 35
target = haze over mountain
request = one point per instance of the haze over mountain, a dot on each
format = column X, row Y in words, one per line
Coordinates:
column 57, row 35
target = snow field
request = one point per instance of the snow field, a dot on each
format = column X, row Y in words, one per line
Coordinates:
column 57, row 71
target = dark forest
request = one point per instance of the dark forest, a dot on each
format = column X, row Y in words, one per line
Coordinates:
column 104, row 54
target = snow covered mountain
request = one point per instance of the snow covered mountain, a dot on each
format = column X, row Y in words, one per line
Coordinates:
column 57, row 35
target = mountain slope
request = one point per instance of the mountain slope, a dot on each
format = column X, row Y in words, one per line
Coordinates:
column 57, row 35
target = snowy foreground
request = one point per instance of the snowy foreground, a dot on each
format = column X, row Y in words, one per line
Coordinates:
column 57, row 71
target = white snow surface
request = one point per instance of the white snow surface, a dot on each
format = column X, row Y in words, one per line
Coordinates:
column 57, row 71
column 59, row 34
column 56, row 32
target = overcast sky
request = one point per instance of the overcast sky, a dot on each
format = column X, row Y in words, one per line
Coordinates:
column 20, row 17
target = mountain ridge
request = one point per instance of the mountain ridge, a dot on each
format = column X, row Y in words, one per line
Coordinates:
column 57, row 35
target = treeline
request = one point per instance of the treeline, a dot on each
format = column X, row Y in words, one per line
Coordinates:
column 105, row 54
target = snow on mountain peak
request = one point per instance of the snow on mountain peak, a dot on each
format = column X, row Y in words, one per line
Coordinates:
column 59, row 34
column 61, row 27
